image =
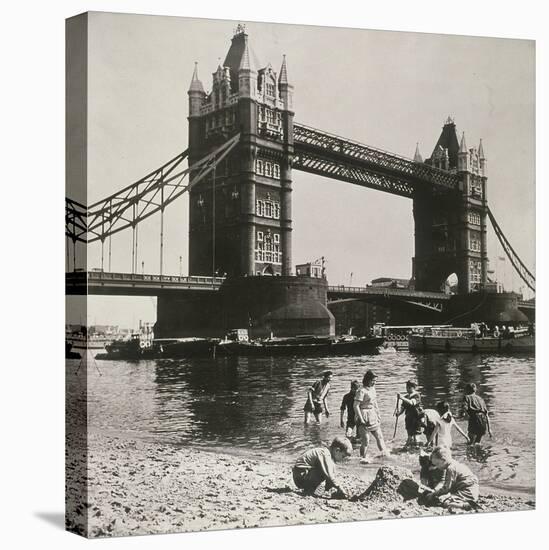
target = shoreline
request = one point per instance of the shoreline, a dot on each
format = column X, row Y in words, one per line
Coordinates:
column 137, row 487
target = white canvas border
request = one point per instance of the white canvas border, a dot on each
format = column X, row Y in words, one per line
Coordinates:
column 33, row 137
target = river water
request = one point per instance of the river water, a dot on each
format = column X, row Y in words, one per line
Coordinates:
column 255, row 405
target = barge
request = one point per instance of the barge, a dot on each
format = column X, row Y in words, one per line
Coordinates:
column 466, row 340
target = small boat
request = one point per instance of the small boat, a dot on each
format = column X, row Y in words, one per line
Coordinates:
column 82, row 345
column 465, row 340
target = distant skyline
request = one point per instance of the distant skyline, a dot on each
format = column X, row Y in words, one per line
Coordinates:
column 386, row 89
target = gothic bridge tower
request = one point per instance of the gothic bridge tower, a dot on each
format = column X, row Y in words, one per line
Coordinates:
column 244, row 226
column 450, row 228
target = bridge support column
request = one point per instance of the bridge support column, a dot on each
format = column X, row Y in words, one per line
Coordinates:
column 284, row 306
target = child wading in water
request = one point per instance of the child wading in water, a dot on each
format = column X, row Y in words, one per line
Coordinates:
column 411, row 407
column 476, row 410
column 367, row 415
column 347, row 404
column 317, row 395
column 317, row 466
column 429, row 418
column 443, row 428
column 458, row 488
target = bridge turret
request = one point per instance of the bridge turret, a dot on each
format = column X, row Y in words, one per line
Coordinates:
column 445, row 152
column 482, row 159
column 286, row 90
column 247, row 73
column 196, row 93
column 417, row 154
column 286, row 93
column 463, row 155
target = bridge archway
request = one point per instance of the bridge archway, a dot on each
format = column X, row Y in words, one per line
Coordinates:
column 451, row 284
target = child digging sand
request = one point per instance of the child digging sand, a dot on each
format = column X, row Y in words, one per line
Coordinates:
column 459, row 486
column 317, row 466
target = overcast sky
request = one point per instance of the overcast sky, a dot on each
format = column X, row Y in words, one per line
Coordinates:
column 386, row 89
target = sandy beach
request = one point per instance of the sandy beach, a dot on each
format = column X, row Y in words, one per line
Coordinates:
column 136, row 487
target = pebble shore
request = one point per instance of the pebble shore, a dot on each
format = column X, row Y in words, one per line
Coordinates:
column 137, row 488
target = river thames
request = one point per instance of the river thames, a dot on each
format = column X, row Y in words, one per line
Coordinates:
column 255, row 405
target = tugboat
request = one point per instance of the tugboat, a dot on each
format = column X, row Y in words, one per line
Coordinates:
column 126, row 349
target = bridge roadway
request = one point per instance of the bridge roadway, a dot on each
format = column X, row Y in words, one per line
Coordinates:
column 137, row 284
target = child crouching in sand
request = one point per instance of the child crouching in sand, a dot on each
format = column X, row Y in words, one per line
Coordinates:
column 317, row 466
column 459, row 486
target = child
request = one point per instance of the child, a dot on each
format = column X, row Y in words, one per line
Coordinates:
column 317, row 398
column 429, row 475
column 459, row 487
column 429, row 418
column 476, row 410
column 367, row 415
column 317, row 466
column 410, row 406
column 347, row 404
column 443, row 428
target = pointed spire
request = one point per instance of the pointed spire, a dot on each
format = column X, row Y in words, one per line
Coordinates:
column 462, row 145
column 196, row 85
column 481, row 151
column 417, row 155
column 283, row 76
column 246, row 62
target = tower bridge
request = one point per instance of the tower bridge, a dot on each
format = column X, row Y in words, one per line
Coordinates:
column 243, row 147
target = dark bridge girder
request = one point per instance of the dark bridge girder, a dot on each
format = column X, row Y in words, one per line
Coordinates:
column 325, row 154
column 384, row 300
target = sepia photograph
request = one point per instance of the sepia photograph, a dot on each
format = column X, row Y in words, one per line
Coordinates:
column 300, row 274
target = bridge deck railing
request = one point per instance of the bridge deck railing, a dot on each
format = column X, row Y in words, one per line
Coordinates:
column 384, row 291
column 105, row 276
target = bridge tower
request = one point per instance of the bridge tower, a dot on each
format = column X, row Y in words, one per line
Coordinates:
column 450, row 228
column 241, row 216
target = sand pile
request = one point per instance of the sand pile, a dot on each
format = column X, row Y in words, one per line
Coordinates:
column 391, row 484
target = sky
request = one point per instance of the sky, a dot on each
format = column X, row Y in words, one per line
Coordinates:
column 389, row 90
